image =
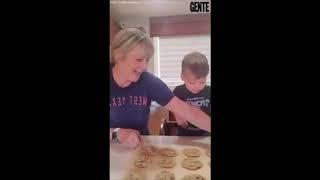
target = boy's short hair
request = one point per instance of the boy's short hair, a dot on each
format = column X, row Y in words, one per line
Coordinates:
column 197, row 63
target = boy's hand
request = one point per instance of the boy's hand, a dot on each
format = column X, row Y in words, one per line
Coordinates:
column 184, row 125
column 181, row 122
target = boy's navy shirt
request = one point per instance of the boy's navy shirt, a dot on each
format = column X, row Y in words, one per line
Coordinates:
column 201, row 100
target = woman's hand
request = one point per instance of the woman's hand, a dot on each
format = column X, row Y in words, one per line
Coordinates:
column 129, row 137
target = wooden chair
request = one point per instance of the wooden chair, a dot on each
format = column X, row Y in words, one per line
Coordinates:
column 169, row 126
column 158, row 116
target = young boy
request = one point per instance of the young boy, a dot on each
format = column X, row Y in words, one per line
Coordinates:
column 195, row 69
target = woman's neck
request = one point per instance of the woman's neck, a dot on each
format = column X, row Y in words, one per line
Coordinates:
column 118, row 77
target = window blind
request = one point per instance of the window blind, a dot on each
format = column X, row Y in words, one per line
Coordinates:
column 171, row 51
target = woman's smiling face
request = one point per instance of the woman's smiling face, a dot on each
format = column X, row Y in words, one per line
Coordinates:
column 134, row 63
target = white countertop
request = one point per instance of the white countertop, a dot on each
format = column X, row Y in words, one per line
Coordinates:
column 120, row 155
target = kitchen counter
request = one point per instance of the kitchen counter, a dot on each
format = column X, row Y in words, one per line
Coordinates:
column 121, row 155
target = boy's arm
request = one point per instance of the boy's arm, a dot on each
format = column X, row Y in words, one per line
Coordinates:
column 192, row 114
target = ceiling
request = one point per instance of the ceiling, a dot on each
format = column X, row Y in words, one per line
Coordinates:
column 148, row 8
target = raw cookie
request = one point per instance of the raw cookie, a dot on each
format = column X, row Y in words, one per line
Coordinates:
column 165, row 175
column 168, row 152
column 193, row 177
column 136, row 176
column 191, row 152
column 191, row 164
column 143, row 162
column 167, row 162
column 208, row 152
column 149, row 150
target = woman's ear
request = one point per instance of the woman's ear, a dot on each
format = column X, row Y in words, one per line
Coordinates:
column 118, row 56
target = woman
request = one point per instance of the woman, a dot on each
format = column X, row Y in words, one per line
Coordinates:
column 132, row 89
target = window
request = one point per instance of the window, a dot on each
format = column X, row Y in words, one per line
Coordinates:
column 169, row 52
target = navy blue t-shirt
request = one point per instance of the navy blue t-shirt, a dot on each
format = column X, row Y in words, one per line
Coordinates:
column 130, row 106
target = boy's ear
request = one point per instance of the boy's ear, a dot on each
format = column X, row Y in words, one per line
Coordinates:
column 181, row 76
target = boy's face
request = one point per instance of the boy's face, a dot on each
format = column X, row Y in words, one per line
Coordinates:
column 193, row 84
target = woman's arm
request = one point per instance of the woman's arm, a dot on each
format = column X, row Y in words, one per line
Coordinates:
column 192, row 114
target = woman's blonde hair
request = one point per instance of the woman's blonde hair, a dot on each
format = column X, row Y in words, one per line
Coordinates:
column 127, row 39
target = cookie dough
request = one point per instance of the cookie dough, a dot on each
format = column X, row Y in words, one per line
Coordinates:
column 167, row 162
column 191, row 152
column 165, row 175
column 191, row 164
column 193, row 177
column 168, row 152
